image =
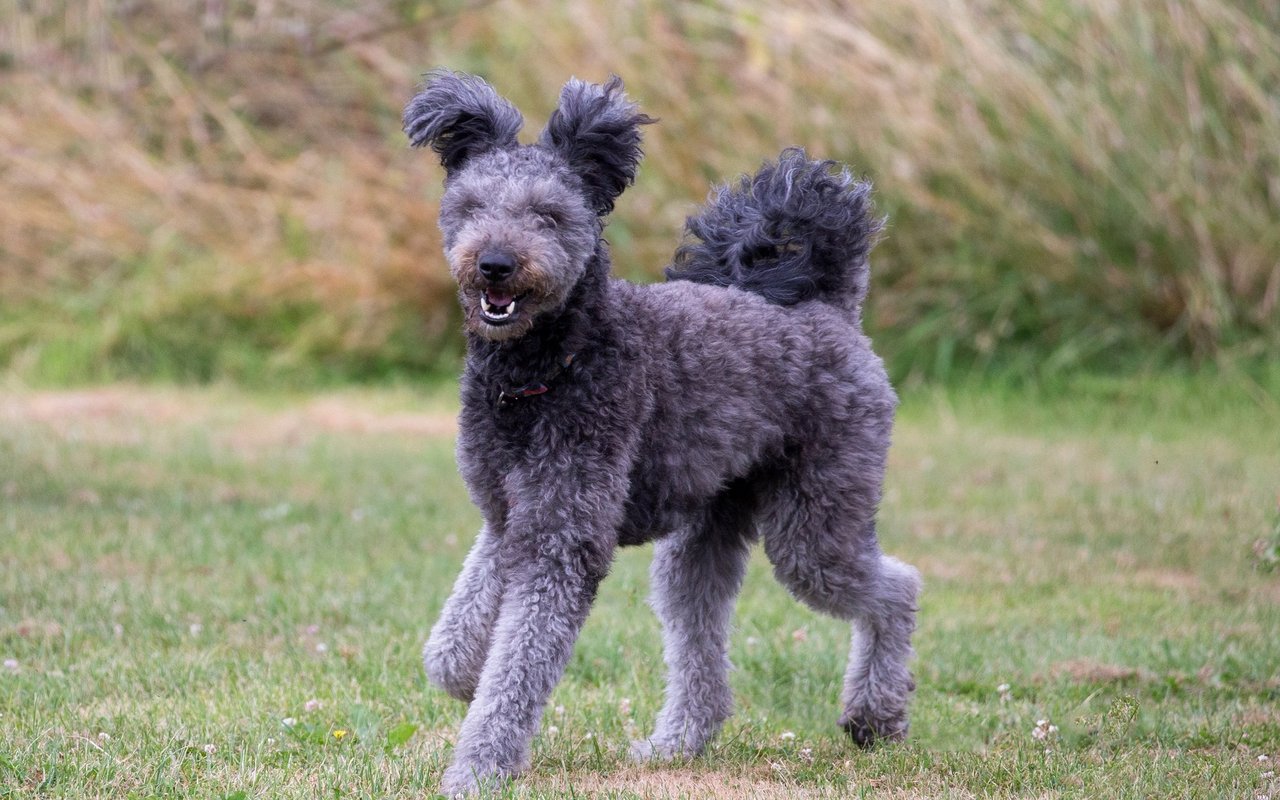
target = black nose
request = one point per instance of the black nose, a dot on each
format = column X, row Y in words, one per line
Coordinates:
column 496, row 265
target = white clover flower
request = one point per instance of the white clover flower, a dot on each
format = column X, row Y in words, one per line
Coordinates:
column 787, row 736
column 311, row 705
column 552, row 730
column 321, row 647
column 210, row 749
column 559, row 710
column 195, row 628
column 103, row 736
column 11, row 664
column 624, row 707
column 279, row 511
column 288, row 722
column 1044, row 730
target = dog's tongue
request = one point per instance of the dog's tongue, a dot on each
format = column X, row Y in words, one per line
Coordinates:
column 497, row 298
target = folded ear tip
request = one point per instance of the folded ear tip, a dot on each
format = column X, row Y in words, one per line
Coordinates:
column 573, row 87
column 596, row 129
column 459, row 115
column 577, row 87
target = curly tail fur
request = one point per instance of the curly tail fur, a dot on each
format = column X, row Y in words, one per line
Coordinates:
column 797, row 230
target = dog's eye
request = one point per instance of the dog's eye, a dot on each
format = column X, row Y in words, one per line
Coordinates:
column 470, row 207
column 547, row 218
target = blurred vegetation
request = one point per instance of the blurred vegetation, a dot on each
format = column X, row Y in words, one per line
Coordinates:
column 219, row 189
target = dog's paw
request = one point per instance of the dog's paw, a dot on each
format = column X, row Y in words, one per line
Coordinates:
column 656, row 750
column 464, row 780
column 867, row 730
column 448, row 671
column 644, row 750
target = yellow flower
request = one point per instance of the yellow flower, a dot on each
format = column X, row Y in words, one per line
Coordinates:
column 339, row 733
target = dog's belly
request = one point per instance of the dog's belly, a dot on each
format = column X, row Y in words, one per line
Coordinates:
column 663, row 497
column 669, row 491
column 649, row 515
column 652, row 512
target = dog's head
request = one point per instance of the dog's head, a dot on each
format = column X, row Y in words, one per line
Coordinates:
column 521, row 222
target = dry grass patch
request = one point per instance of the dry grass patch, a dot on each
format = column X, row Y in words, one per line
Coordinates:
column 1064, row 180
column 759, row 781
column 124, row 415
column 341, row 415
column 1083, row 670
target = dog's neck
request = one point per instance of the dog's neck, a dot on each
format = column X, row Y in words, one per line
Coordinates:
column 555, row 337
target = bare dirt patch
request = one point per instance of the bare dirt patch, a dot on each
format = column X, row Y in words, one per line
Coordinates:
column 1171, row 579
column 750, row 782
column 1083, row 670
column 335, row 415
column 127, row 415
column 114, row 415
column 108, row 404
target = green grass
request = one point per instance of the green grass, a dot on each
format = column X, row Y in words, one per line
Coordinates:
column 181, row 570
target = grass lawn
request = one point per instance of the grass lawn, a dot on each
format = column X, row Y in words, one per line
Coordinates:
column 209, row 593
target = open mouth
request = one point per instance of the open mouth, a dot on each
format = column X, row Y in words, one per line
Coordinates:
column 498, row 307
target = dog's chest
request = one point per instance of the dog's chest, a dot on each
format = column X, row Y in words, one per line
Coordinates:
column 565, row 435
column 503, row 437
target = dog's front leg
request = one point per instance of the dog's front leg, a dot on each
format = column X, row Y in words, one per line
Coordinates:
column 455, row 653
column 556, row 567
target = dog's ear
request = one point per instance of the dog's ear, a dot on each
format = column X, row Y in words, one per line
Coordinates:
column 597, row 129
column 460, row 116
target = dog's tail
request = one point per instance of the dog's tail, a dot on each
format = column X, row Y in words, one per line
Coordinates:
column 796, row 230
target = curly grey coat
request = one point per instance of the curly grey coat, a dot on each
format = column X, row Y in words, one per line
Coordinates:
column 739, row 400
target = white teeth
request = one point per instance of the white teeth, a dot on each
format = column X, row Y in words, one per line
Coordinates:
column 491, row 312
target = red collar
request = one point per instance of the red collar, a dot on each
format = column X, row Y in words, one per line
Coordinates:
column 507, row 397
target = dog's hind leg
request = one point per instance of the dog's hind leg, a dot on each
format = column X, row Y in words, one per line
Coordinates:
column 459, row 643
column 877, row 683
column 695, row 577
column 820, row 536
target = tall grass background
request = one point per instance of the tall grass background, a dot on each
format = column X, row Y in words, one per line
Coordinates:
column 218, row 189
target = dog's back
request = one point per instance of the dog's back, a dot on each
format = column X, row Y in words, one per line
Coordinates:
column 733, row 383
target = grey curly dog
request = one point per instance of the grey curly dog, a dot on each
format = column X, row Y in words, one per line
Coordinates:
column 738, row 400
